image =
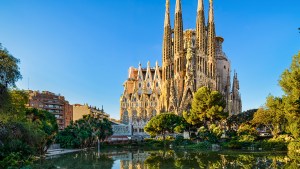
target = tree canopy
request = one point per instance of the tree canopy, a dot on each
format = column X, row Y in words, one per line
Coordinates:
column 207, row 106
column 272, row 115
column 9, row 69
column 283, row 113
column 244, row 117
column 164, row 123
column 85, row 132
column 290, row 83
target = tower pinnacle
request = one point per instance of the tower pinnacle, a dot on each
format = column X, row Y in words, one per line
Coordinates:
column 178, row 28
column 200, row 27
column 200, row 5
column 211, row 11
column 211, row 34
column 167, row 44
column 178, row 6
column 167, row 14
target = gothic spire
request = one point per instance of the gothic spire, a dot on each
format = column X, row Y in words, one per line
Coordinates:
column 167, row 14
column 211, row 11
column 167, row 42
column 211, row 41
column 200, row 27
column 178, row 28
column 178, row 6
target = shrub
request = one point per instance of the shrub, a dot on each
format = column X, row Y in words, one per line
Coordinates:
column 283, row 138
column 294, row 150
column 294, row 146
column 247, row 138
column 15, row 160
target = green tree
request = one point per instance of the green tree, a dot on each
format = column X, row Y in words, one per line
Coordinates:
column 47, row 128
column 85, row 132
column 9, row 69
column 271, row 116
column 207, row 106
column 13, row 107
column 244, row 117
column 247, row 132
column 290, row 84
column 164, row 123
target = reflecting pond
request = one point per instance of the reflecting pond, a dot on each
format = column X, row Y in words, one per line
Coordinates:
column 168, row 159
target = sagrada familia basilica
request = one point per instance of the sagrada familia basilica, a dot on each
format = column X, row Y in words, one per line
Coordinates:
column 190, row 59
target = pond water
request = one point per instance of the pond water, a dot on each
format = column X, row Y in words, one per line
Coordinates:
column 168, row 159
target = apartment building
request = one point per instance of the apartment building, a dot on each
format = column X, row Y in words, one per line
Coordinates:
column 53, row 103
column 80, row 110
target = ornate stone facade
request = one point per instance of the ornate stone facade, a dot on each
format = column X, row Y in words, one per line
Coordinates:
column 191, row 59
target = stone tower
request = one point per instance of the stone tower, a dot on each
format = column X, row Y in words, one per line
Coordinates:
column 179, row 70
column 167, row 60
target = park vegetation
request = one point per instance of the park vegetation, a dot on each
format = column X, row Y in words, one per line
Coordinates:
column 85, row 132
column 24, row 132
column 274, row 126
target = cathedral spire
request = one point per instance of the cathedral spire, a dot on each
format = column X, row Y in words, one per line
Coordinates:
column 211, row 42
column 178, row 6
column 200, row 27
column 236, row 85
column 211, row 11
column 167, row 43
column 178, row 28
column 236, row 97
column 167, row 14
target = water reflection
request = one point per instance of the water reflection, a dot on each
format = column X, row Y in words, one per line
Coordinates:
column 167, row 159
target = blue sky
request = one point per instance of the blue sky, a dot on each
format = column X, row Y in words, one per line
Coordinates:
column 83, row 49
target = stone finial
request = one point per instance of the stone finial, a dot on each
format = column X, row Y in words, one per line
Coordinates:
column 200, row 5
column 167, row 14
column 211, row 11
column 178, row 6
